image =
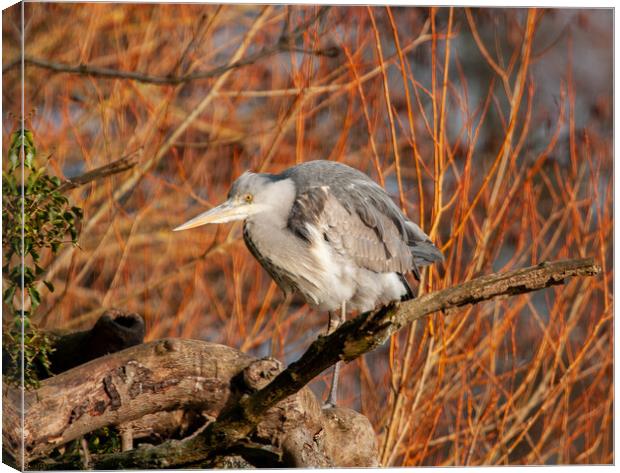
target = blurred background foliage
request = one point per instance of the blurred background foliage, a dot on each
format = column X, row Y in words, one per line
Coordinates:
column 490, row 127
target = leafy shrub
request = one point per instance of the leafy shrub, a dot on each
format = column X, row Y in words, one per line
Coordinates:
column 36, row 216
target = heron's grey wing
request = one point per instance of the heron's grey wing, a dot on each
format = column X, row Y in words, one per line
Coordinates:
column 379, row 212
column 362, row 197
column 355, row 191
column 349, row 234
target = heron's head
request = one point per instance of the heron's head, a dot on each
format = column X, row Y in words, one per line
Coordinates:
column 250, row 195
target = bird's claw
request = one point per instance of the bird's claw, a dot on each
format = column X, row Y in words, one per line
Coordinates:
column 329, row 405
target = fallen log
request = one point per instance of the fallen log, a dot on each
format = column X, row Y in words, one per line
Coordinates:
column 171, row 375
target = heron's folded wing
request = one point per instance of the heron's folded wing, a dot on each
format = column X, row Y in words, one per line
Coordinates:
column 378, row 211
column 379, row 247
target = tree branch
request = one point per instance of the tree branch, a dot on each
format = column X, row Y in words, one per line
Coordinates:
column 351, row 340
column 120, row 165
column 284, row 44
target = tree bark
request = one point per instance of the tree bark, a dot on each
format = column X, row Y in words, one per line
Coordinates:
column 159, row 376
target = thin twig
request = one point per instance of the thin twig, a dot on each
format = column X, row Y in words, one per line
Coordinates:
column 120, row 165
column 388, row 105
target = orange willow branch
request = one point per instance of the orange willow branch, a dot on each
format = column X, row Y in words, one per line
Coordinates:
column 388, row 105
column 414, row 145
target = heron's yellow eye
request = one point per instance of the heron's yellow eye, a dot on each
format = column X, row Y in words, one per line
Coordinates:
column 248, row 198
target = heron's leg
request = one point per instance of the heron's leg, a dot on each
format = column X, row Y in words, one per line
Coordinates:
column 335, row 320
column 332, row 322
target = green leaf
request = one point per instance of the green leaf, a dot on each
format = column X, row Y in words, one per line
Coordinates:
column 7, row 297
column 18, row 139
column 9, row 183
column 28, row 276
column 14, row 150
column 25, row 320
column 35, row 297
column 29, row 149
column 29, row 139
column 46, row 220
column 15, row 276
column 33, row 180
column 16, row 244
column 27, row 245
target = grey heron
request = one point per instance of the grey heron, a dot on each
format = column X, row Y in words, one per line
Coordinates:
column 328, row 232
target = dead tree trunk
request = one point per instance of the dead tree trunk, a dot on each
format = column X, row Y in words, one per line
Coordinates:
column 260, row 413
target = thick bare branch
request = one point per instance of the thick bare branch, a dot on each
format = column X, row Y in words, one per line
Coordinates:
column 351, row 340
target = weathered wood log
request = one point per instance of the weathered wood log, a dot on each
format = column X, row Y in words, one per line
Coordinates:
column 120, row 387
column 163, row 425
column 169, row 375
column 357, row 444
column 114, row 331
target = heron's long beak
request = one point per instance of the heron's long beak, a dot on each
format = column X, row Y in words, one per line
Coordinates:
column 226, row 212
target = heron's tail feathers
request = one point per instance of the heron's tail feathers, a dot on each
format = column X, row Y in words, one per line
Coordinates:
column 426, row 253
column 422, row 248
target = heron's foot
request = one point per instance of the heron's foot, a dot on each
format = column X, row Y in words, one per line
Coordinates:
column 332, row 398
column 328, row 405
column 333, row 389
